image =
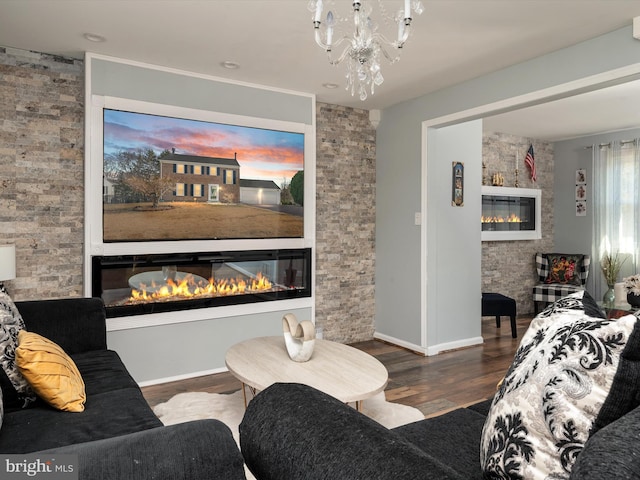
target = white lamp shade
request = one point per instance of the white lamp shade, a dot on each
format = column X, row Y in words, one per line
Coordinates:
column 7, row 262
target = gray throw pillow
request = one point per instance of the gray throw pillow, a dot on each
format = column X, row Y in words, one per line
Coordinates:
column 14, row 384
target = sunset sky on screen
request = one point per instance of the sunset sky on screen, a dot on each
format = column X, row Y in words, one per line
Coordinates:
column 262, row 154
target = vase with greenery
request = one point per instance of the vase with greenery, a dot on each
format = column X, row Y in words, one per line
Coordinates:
column 611, row 265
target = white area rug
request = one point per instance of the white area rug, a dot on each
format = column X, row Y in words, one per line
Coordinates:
column 229, row 409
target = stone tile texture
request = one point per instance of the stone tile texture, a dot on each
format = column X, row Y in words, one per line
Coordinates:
column 42, row 171
column 508, row 267
column 345, row 223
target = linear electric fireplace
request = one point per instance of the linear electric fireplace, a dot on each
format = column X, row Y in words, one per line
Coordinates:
column 144, row 284
column 511, row 213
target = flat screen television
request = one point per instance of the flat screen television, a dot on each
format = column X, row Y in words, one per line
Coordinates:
column 184, row 177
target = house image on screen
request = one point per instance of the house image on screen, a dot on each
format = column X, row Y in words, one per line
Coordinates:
column 202, row 179
column 108, row 188
column 259, row 192
column 214, row 180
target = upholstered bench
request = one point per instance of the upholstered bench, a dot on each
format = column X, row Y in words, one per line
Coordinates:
column 500, row 305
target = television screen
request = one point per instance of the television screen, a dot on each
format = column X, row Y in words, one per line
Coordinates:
column 168, row 178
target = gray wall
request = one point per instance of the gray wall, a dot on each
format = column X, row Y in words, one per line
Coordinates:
column 399, row 144
column 182, row 349
column 453, row 237
column 152, row 85
column 572, row 233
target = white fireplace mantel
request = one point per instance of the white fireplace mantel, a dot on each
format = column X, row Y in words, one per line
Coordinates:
column 505, row 235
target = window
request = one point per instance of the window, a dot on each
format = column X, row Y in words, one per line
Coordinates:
column 197, row 170
column 627, row 197
column 179, row 189
column 229, row 177
column 178, row 168
column 197, row 190
column 616, row 199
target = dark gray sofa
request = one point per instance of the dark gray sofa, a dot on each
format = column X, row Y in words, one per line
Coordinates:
column 293, row 431
column 117, row 436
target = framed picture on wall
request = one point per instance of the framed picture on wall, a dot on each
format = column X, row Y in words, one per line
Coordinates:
column 581, row 176
column 457, row 184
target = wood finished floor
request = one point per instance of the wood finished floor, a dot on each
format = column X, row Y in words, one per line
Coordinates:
column 433, row 384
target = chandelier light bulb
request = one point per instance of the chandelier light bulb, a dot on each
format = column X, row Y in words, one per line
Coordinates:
column 361, row 49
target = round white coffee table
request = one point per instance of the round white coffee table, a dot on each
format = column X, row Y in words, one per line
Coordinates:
column 344, row 372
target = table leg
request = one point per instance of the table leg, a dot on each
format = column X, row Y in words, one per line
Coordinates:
column 244, row 396
column 244, row 393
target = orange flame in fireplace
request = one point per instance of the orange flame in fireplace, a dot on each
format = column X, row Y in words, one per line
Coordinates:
column 188, row 288
column 513, row 218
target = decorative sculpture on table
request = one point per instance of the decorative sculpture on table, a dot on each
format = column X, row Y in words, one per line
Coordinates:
column 299, row 338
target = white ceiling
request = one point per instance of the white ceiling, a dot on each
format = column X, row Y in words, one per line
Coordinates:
column 272, row 41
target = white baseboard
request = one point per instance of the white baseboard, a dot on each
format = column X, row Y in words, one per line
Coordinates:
column 432, row 350
column 442, row 347
column 400, row 343
column 186, row 376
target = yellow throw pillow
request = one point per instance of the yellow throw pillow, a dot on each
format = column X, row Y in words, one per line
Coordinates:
column 50, row 372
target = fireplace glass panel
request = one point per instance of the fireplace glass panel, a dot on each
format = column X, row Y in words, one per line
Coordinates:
column 143, row 284
column 508, row 213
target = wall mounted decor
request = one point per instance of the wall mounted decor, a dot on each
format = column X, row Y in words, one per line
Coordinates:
column 581, row 192
column 457, row 184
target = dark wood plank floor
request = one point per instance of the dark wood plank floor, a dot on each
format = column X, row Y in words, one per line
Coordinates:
column 433, row 384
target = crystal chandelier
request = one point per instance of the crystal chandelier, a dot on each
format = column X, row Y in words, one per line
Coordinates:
column 363, row 46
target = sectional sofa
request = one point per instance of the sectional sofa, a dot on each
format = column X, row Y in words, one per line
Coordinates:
column 116, row 436
column 569, row 407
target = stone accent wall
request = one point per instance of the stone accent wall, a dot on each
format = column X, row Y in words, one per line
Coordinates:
column 345, row 223
column 508, row 267
column 42, row 171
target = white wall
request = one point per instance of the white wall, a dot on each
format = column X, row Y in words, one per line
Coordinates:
column 399, row 144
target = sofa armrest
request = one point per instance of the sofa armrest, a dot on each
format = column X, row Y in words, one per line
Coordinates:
column 612, row 452
column 76, row 324
column 292, row 431
column 197, row 450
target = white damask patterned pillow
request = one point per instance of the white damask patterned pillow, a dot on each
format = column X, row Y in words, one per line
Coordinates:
column 11, row 323
column 552, row 397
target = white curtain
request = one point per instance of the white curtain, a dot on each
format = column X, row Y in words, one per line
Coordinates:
column 616, row 209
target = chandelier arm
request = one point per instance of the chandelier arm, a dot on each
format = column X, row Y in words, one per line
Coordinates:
column 334, row 45
column 342, row 56
column 405, row 35
column 381, row 45
column 382, row 40
column 319, row 41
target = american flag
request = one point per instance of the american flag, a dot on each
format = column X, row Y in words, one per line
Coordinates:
column 530, row 161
